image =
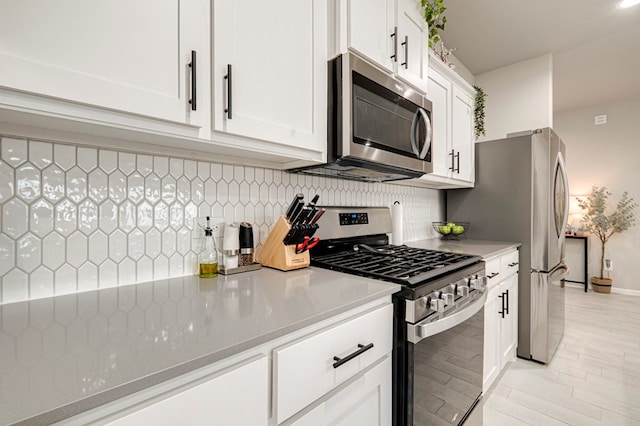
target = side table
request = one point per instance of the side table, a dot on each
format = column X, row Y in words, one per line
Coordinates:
column 585, row 243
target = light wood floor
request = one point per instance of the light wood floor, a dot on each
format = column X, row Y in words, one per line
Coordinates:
column 593, row 379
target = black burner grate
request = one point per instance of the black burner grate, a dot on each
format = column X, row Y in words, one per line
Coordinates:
column 399, row 264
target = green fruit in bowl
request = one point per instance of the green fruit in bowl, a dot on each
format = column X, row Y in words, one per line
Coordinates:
column 444, row 229
column 451, row 224
column 457, row 230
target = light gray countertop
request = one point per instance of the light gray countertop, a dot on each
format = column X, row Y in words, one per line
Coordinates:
column 478, row 247
column 66, row 354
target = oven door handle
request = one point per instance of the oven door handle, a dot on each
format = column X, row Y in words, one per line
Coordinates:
column 417, row 332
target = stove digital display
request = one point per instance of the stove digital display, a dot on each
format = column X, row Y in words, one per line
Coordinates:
column 354, row 219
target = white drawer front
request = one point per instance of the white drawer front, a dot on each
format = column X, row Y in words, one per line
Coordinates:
column 510, row 263
column 304, row 370
column 493, row 271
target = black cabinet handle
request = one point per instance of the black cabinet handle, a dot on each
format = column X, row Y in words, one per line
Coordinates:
column 405, row 64
column 501, row 305
column 513, row 264
column 458, row 162
column 194, row 89
column 339, row 361
column 453, row 156
column 394, row 36
column 227, row 77
column 507, row 303
column 493, row 275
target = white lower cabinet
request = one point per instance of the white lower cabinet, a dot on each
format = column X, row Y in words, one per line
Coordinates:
column 335, row 372
column 365, row 401
column 233, row 395
column 500, row 315
column 306, row 370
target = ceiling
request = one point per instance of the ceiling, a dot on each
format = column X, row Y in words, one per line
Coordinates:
column 595, row 45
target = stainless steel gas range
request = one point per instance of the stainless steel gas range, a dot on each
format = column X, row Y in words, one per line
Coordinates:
column 438, row 314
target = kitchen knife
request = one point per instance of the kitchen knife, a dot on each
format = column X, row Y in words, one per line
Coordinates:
column 296, row 212
column 311, row 212
column 298, row 197
column 300, row 218
column 318, row 216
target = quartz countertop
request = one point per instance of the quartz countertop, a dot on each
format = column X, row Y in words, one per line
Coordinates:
column 482, row 248
column 66, row 354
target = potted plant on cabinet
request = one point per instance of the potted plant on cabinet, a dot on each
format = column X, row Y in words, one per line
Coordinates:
column 433, row 11
column 603, row 226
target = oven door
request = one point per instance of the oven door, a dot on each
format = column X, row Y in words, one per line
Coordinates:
column 445, row 366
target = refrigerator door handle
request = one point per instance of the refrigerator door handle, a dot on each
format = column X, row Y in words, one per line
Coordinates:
column 561, row 267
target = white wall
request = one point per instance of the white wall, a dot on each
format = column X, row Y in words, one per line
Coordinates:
column 607, row 155
column 519, row 97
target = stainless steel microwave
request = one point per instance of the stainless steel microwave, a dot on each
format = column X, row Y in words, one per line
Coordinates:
column 379, row 126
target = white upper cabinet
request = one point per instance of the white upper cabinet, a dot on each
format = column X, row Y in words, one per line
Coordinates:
column 269, row 74
column 390, row 33
column 119, row 55
column 370, row 30
column 453, row 147
column 413, row 52
column 462, row 141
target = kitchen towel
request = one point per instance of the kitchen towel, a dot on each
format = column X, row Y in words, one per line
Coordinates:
column 396, row 223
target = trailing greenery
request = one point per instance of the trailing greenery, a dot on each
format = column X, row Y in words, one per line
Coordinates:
column 603, row 226
column 478, row 113
column 434, row 15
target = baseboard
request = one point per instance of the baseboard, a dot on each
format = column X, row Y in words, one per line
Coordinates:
column 626, row 291
column 614, row 289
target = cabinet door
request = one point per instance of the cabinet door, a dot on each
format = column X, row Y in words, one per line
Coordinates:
column 277, row 53
column 413, row 57
column 370, row 25
column 306, row 369
column 439, row 92
column 509, row 333
column 235, row 396
column 119, row 55
column 366, row 401
column 492, row 341
column 462, row 141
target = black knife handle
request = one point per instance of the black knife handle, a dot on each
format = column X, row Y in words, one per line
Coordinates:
column 299, row 197
column 296, row 212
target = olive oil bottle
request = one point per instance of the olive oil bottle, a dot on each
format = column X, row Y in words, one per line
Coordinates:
column 208, row 257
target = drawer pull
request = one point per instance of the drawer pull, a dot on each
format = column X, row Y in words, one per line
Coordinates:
column 513, row 264
column 493, row 275
column 339, row 361
column 194, row 89
column 227, row 77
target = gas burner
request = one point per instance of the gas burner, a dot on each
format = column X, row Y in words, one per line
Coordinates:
column 399, row 264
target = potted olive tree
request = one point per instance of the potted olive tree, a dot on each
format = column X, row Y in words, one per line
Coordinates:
column 603, row 226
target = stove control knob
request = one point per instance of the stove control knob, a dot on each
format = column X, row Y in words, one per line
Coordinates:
column 437, row 305
column 425, row 302
column 479, row 283
column 463, row 290
column 449, row 298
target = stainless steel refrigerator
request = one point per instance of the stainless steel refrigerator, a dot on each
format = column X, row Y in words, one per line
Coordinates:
column 521, row 194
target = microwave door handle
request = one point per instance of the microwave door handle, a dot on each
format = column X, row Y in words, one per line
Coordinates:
column 413, row 134
column 427, row 138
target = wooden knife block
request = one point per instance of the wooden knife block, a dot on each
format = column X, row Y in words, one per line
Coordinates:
column 274, row 254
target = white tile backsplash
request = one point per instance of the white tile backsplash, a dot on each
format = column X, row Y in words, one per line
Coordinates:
column 75, row 218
